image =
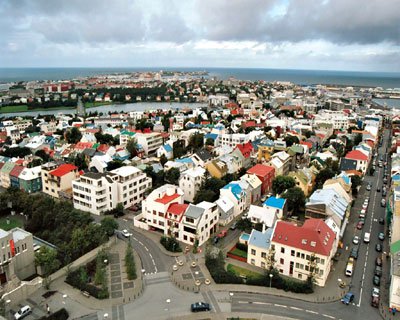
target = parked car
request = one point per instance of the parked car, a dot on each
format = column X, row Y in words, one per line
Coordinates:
column 23, row 312
column 354, row 252
column 383, row 202
column 200, row 306
column 381, row 221
column 369, row 187
column 356, row 239
column 376, row 281
column 348, row 298
column 375, row 302
column 233, row 226
column 360, row 225
column 376, row 292
column 215, row 240
column 378, row 247
column 384, row 193
column 378, row 261
column 222, row 234
column 381, row 236
column 378, row 271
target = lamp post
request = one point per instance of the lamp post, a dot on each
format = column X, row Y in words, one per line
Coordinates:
column 270, row 280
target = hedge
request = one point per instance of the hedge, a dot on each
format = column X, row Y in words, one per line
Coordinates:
column 241, row 246
column 171, row 244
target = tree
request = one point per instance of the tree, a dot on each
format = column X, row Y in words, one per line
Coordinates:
column 115, row 164
column 205, row 195
column 163, row 159
column 46, row 258
column 16, row 152
column 244, row 225
column 282, row 183
column 179, row 148
column 333, row 165
column 172, row 175
column 291, row 140
column 295, row 198
column 357, row 139
column 356, row 181
column 42, row 154
column 322, row 176
column 73, row 135
column 109, row 225
column 209, row 142
column 132, row 147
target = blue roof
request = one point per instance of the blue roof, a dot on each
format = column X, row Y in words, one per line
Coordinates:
column 235, row 189
column 211, row 136
column 184, row 160
column 396, row 177
column 345, row 177
column 167, row 148
column 275, row 202
column 261, row 239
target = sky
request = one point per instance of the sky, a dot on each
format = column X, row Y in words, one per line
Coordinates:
column 360, row 35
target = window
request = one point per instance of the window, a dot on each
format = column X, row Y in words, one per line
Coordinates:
column 297, row 265
column 282, row 261
column 282, row 250
column 263, row 254
column 302, row 255
column 322, row 261
column 300, row 276
column 253, row 262
column 263, row 265
column 297, row 254
column 321, row 272
column 253, row 252
column 292, row 253
column 307, row 268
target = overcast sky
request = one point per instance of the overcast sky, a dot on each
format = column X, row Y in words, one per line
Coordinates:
column 361, row 35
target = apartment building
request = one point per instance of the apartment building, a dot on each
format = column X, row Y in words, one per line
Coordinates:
column 190, row 182
column 150, row 142
column 100, row 192
column 232, row 140
column 58, row 178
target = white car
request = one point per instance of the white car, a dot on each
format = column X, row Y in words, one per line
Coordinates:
column 125, row 233
column 375, row 292
column 356, row 240
column 23, row 312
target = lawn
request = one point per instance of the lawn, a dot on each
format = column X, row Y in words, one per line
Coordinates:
column 14, row 222
column 242, row 271
column 24, row 108
column 239, row 253
column 97, row 104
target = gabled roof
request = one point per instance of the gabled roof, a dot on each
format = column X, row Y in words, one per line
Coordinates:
column 275, row 202
column 261, row 170
column 63, row 170
column 314, row 236
column 356, row 155
column 261, row 239
column 235, row 188
column 245, row 149
column 177, row 208
column 167, row 199
column 16, row 171
column 204, row 155
column 167, row 147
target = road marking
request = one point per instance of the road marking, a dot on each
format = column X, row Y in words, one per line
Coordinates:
column 263, row 303
column 280, row 305
column 328, row 316
column 141, row 243
column 146, row 248
column 310, row 311
column 134, row 239
column 243, row 302
column 295, row 308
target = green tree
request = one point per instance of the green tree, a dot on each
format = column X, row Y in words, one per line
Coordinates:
column 356, row 181
column 73, row 135
column 178, row 148
column 322, row 176
column 282, row 183
column 47, row 259
column 291, row 140
column 163, row 159
column 295, row 198
column 209, row 142
column 115, row 164
column 172, row 176
column 42, row 154
column 196, row 141
column 357, row 139
column 109, row 225
column 132, row 147
column 244, row 225
column 205, row 195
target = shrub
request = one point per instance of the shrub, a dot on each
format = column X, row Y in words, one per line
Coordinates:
column 170, row 244
column 130, row 263
column 216, row 267
column 241, row 246
column 61, row 314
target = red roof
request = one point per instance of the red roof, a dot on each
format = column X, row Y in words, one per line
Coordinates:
column 63, row 170
column 306, row 143
column 20, row 162
column 314, row 236
column 177, row 209
column 78, row 125
column 103, row 148
column 245, row 149
column 250, row 123
column 261, row 170
column 356, row 155
column 167, row 199
column 353, row 173
column 15, row 172
column 83, row 145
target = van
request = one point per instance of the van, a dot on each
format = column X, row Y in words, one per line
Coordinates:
column 367, row 237
column 349, row 267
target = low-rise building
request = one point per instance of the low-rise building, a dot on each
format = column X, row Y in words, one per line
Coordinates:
column 58, row 178
column 150, row 142
column 266, row 174
column 190, row 182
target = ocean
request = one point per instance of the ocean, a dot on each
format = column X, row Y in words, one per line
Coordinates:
column 302, row 77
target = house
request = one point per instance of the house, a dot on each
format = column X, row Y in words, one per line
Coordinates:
column 302, row 251
column 30, row 179
column 254, row 186
column 348, row 164
column 262, row 215
column 259, row 248
column 276, row 206
column 190, row 182
column 235, row 193
column 325, row 203
column 5, row 174
column 14, row 176
column 246, row 149
column 266, row 174
column 264, row 150
column 202, row 158
column 217, row 168
column 304, row 179
column 58, row 178
column 361, row 158
column 100, row 192
column 165, row 150
column 282, row 162
column 226, row 210
column 99, row 163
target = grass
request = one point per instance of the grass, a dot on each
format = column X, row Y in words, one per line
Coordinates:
column 242, row 271
column 239, row 253
column 24, row 108
column 14, row 222
column 97, row 104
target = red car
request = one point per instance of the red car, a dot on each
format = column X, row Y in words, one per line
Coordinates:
column 222, row 234
column 359, row 225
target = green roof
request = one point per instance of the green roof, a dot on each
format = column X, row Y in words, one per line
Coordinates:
column 33, row 134
column 395, row 247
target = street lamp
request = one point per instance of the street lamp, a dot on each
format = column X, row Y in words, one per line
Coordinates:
column 270, row 280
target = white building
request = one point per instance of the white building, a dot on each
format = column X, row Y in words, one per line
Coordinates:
column 190, row 182
column 150, row 142
column 99, row 192
column 232, row 140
